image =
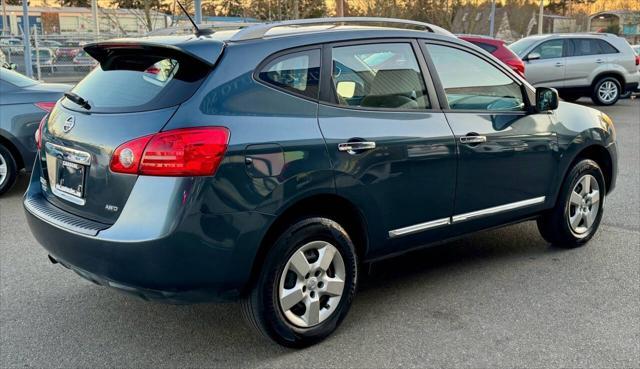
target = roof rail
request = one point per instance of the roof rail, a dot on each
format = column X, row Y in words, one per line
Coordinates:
column 258, row 31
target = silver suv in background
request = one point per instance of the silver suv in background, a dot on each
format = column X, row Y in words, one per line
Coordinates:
column 602, row 66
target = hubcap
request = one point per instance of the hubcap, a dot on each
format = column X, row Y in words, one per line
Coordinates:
column 584, row 205
column 3, row 169
column 311, row 284
column 608, row 91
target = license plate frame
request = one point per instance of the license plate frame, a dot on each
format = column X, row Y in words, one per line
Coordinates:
column 71, row 178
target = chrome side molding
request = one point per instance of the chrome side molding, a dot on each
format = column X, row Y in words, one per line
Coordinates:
column 419, row 227
column 497, row 209
column 464, row 217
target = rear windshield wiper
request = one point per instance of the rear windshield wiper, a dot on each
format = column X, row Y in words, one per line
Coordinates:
column 78, row 100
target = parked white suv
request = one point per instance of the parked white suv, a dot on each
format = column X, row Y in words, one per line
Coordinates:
column 600, row 65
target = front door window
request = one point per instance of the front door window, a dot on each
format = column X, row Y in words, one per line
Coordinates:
column 471, row 83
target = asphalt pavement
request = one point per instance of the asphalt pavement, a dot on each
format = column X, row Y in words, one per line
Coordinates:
column 500, row 298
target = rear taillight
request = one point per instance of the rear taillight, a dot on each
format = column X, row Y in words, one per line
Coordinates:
column 637, row 59
column 517, row 65
column 175, row 153
column 126, row 158
column 46, row 105
column 38, row 134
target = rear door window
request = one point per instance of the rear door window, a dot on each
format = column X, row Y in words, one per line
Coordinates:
column 584, row 47
column 135, row 81
column 298, row 73
column 383, row 75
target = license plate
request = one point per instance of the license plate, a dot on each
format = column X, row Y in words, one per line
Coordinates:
column 70, row 178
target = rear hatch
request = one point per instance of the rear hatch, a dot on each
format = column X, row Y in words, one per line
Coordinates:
column 133, row 92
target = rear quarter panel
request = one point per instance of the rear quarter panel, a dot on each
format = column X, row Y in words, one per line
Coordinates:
column 19, row 117
column 257, row 114
column 18, row 124
column 284, row 128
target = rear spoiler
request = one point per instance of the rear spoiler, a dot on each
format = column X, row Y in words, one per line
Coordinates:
column 205, row 50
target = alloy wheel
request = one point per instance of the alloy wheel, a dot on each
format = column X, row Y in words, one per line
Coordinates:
column 608, row 91
column 3, row 169
column 312, row 284
column 583, row 205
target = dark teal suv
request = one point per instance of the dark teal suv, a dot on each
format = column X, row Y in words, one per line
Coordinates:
column 269, row 164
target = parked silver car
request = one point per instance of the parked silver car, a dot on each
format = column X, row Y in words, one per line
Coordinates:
column 602, row 66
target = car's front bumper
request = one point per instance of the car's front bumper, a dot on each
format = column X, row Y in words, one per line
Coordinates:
column 176, row 255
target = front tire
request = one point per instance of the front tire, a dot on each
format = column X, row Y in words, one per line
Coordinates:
column 579, row 208
column 606, row 91
column 8, row 170
column 306, row 285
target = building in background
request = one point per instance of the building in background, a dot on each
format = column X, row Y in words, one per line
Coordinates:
column 72, row 20
column 625, row 23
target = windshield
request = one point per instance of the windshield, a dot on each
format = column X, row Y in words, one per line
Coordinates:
column 519, row 47
column 16, row 78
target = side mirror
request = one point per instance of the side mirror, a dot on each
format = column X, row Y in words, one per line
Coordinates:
column 346, row 89
column 546, row 99
column 533, row 56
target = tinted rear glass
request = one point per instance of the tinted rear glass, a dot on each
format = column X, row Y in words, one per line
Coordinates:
column 298, row 72
column 586, row 47
column 129, row 80
column 606, row 47
column 486, row 47
column 16, row 78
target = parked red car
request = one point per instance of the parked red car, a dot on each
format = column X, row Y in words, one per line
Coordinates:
column 67, row 53
column 497, row 49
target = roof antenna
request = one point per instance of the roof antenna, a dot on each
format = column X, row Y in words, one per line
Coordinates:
column 199, row 32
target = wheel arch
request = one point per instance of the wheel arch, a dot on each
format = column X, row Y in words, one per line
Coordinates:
column 332, row 206
column 13, row 149
column 600, row 155
column 595, row 152
column 618, row 76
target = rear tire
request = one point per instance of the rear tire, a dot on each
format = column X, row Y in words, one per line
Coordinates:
column 579, row 208
column 606, row 91
column 307, row 261
column 8, row 170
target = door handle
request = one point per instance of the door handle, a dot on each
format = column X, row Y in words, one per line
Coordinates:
column 473, row 140
column 599, row 61
column 559, row 64
column 356, row 146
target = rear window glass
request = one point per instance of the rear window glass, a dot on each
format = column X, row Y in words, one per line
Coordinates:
column 486, row 47
column 606, row 47
column 298, row 72
column 138, row 81
column 16, row 78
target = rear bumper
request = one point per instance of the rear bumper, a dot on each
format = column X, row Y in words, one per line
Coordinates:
column 179, row 257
